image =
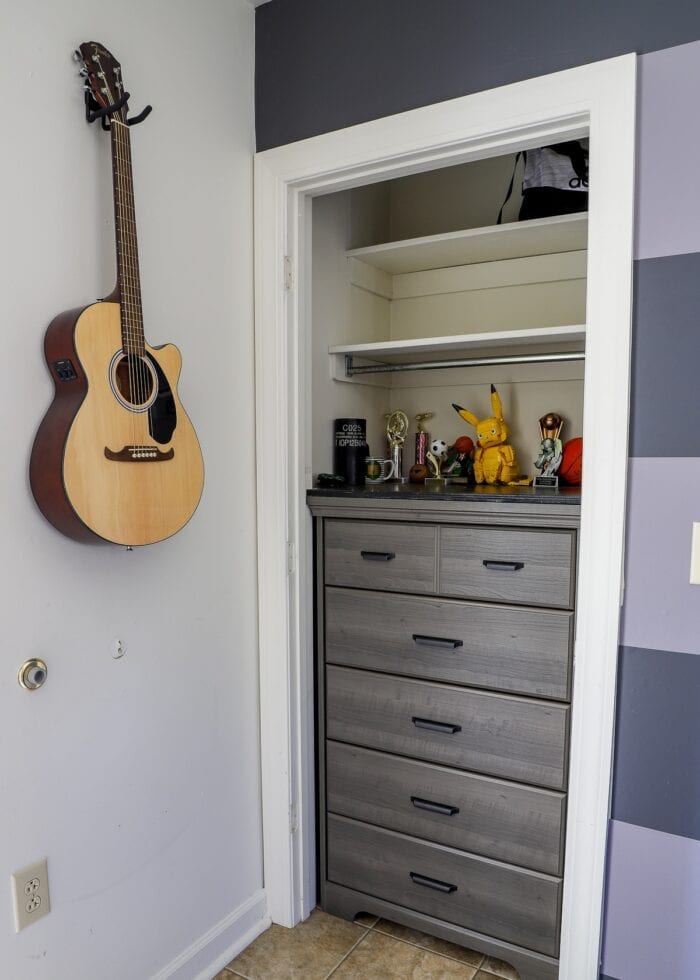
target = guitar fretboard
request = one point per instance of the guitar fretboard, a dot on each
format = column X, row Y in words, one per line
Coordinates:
column 127, row 246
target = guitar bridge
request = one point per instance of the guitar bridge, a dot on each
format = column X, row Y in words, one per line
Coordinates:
column 139, row 454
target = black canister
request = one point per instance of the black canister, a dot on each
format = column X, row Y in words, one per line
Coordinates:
column 350, row 449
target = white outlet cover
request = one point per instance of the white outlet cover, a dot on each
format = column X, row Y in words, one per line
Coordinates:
column 30, row 894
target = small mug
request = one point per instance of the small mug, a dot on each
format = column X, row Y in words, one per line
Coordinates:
column 378, row 470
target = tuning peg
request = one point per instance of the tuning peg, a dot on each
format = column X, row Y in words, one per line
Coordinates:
column 77, row 56
column 83, row 72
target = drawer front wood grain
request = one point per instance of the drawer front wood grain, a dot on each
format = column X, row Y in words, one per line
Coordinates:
column 496, row 899
column 508, row 565
column 376, row 555
column 500, row 735
column 506, row 648
column 518, row 824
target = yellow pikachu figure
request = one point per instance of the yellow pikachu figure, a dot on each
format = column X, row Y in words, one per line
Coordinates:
column 494, row 458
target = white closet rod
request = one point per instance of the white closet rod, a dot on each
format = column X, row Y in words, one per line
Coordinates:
column 351, row 369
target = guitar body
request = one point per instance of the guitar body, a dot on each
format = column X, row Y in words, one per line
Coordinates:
column 116, row 458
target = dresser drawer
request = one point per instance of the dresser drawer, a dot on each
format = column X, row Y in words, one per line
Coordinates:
column 515, row 738
column 376, row 555
column 508, row 565
column 506, row 821
column 499, row 900
column 509, row 648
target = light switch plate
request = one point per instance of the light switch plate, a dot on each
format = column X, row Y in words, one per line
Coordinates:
column 695, row 555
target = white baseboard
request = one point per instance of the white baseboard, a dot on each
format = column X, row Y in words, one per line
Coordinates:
column 211, row 952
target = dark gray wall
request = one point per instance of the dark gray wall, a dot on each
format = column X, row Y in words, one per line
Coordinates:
column 665, row 356
column 656, row 744
column 326, row 64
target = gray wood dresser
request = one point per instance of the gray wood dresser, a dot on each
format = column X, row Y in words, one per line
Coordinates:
column 445, row 626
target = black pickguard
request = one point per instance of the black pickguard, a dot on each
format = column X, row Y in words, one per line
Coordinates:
column 162, row 416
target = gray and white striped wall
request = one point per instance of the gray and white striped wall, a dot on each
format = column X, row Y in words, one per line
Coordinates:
column 326, row 64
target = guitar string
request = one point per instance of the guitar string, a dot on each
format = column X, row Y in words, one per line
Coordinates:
column 122, row 275
column 145, row 380
column 142, row 382
column 125, row 241
column 128, row 264
column 135, row 321
column 125, row 285
column 120, row 232
column 129, row 257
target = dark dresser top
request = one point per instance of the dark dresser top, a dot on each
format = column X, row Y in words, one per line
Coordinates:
column 416, row 491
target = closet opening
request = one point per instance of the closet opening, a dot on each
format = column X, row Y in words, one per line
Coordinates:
column 446, row 603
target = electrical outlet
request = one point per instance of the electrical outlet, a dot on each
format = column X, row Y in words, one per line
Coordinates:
column 30, row 894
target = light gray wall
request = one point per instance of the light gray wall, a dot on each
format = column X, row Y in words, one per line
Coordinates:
column 340, row 220
column 466, row 196
column 138, row 778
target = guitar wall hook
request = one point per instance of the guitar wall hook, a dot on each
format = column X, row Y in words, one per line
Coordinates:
column 93, row 110
column 146, row 111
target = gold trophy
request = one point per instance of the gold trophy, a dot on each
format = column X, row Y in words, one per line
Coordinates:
column 549, row 458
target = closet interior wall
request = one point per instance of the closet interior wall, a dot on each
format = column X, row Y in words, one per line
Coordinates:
column 351, row 304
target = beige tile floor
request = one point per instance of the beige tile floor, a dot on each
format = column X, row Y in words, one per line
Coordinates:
column 367, row 949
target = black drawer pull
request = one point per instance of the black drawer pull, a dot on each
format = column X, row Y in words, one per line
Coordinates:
column 436, row 726
column 504, row 566
column 439, row 886
column 436, row 641
column 378, row 555
column 442, row 808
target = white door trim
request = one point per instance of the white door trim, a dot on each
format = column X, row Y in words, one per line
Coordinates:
column 597, row 98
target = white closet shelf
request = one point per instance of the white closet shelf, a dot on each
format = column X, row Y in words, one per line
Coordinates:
column 467, row 350
column 542, row 236
column 389, row 350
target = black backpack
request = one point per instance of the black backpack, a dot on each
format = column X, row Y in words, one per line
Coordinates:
column 542, row 202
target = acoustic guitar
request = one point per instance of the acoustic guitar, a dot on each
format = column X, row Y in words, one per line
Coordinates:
column 116, row 458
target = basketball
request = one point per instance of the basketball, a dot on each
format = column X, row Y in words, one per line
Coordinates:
column 571, row 465
column 418, row 473
column 463, row 445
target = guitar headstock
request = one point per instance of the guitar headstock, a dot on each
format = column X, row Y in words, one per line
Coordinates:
column 103, row 77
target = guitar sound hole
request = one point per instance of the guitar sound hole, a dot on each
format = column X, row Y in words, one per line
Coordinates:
column 134, row 380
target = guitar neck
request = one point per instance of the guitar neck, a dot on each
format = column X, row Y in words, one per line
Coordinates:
column 128, row 280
